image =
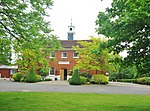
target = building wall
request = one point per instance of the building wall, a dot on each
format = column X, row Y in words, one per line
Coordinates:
column 5, row 72
column 71, row 63
column 60, row 63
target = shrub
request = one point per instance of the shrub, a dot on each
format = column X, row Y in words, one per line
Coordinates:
column 83, row 80
column 75, row 80
column 144, row 80
column 31, row 77
column 88, row 83
column 23, row 79
column 147, row 81
column 48, row 79
column 104, row 79
column 17, row 77
column 126, row 80
column 85, row 74
column 39, row 78
column 43, row 71
column 141, row 80
column 99, row 79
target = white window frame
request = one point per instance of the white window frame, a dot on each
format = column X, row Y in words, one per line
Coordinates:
column 62, row 55
column 50, row 71
column 52, row 54
column 12, row 71
column 75, row 56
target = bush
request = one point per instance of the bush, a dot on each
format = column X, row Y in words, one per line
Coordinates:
column 48, row 79
column 83, row 80
column 99, row 79
column 104, row 79
column 31, row 77
column 75, row 80
column 43, row 71
column 147, row 81
column 141, row 80
column 17, row 77
column 85, row 74
column 23, row 79
column 126, row 80
column 39, row 78
column 144, row 80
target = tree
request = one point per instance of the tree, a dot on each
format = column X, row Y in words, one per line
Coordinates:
column 36, row 54
column 5, row 51
column 119, row 70
column 31, row 77
column 21, row 21
column 24, row 28
column 89, row 59
column 75, row 79
column 127, row 22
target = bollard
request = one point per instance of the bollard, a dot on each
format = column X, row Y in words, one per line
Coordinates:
column 4, row 78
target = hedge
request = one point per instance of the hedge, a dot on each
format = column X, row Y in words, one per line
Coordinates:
column 144, row 80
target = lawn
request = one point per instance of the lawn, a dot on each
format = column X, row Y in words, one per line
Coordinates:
column 44, row 101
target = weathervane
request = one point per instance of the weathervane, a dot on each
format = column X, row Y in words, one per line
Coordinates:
column 71, row 21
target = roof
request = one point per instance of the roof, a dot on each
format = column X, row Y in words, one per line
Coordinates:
column 70, row 43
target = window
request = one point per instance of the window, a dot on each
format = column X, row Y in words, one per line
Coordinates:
column 52, row 71
column 52, row 55
column 64, row 55
column 12, row 71
column 75, row 55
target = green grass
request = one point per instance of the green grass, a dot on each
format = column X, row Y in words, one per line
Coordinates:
column 37, row 101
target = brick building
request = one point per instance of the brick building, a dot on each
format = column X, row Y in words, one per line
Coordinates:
column 7, row 71
column 62, row 61
column 65, row 59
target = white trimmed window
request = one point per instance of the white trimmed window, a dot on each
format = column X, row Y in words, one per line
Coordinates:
column 12, row 71
column 75, row 55
column 63, row 54
column 52, row 71
column 52, row 55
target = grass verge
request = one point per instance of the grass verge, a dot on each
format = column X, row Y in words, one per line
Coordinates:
column 44, row 101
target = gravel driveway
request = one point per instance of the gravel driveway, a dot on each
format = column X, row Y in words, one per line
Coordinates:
column 63, row 86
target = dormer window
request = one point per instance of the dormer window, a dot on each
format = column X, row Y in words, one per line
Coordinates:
column 64, row 55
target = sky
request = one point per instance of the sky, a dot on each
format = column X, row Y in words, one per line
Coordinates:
column 83, row 13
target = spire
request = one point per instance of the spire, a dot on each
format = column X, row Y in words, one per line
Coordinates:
column 71, row 21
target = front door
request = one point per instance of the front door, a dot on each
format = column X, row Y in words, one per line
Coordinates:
column 63, row 74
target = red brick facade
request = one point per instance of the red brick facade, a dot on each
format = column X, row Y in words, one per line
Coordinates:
column 7, row 71
column 69, row 61
column 63, row 65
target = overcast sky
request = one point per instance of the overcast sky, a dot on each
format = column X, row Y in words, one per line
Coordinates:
column 83, row 13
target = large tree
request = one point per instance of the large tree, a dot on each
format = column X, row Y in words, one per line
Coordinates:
column 22, row 21
column 127, row 22
column 5, row 51
column 36, row 54
column 25, row 29
column 89, row 59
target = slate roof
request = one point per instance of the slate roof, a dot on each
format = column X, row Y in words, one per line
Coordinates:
column 67, row 44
